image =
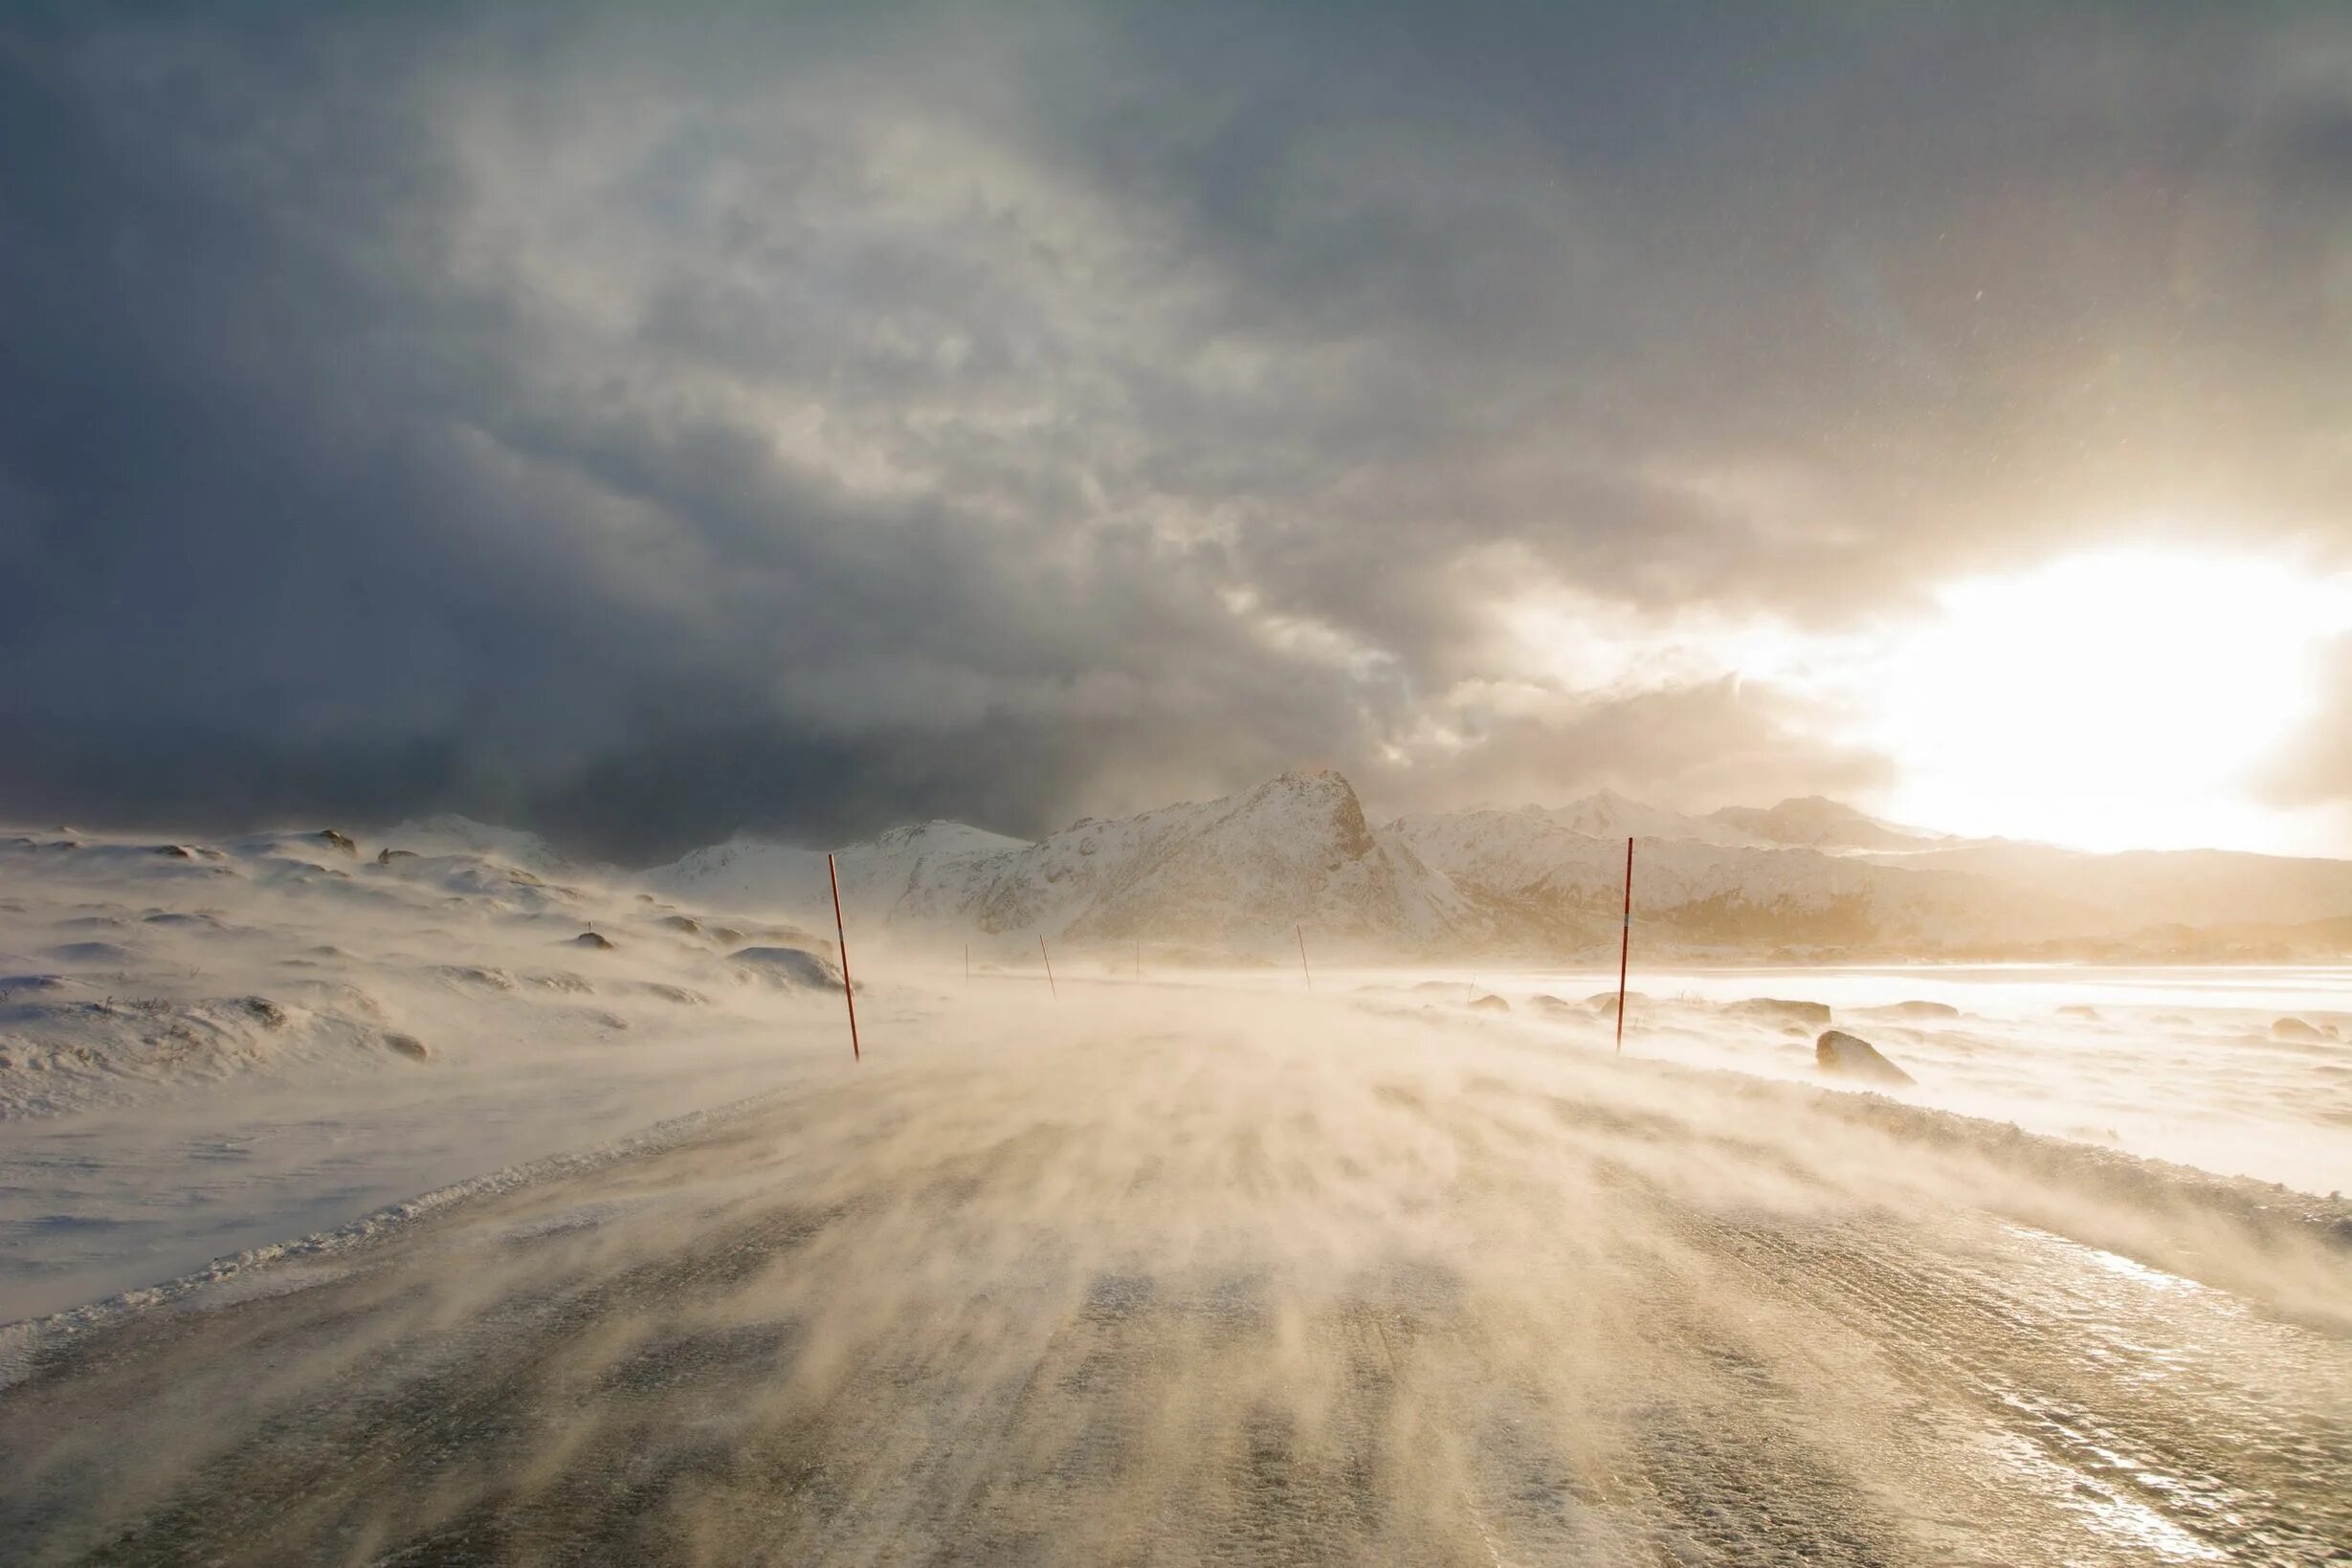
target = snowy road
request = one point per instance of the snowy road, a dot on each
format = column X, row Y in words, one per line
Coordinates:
column 1116, row 1294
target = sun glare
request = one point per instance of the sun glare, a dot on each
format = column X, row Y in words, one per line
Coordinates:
column 2116, row 699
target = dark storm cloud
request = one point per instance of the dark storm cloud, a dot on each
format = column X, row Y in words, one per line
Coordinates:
column 646, row 425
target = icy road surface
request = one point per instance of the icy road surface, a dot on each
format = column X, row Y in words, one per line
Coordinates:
column 1244, row 1282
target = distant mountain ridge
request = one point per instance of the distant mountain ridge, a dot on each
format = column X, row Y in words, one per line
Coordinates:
column 1807, row 877
column 1818, row 822
column 1611, row 815
column 1242, row 869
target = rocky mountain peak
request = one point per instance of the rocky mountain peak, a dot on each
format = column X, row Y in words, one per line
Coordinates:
column 1305, row 805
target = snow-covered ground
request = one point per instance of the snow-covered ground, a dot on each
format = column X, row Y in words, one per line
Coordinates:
column 207, row 1048
column 471, row 1206
column 1179, row 1272
column 211, row 1047
column 2247, row 1072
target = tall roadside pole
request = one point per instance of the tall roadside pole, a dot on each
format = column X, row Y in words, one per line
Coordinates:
column 1625, row 944
column 842, row 938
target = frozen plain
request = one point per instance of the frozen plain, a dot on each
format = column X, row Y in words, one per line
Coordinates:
column 1170, row 1269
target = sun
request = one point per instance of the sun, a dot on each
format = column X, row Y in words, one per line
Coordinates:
column 2119, row 698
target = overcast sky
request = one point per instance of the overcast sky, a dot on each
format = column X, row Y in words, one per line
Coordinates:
column 640, row 426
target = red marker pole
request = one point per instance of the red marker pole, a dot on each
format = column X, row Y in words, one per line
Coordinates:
column 1301, row 933
column 1049, row 969
column 856, row 1052
column 1625, row 944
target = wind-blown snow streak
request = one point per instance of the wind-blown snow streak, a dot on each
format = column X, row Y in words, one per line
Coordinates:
column 1157, row 1276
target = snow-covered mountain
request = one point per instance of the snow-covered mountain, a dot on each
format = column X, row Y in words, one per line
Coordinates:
column 1537, row 876
column 1806, row 876
column 1240, row 870
column 877, row 877
column 1609, row 814
column 1812, row 823
column 1821, row 824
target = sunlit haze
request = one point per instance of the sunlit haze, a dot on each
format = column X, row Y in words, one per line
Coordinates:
column 2125, row 696
column 2116, row 699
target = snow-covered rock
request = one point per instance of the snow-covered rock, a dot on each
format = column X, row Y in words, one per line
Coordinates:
column 1842, row 1055
column 788, row 966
